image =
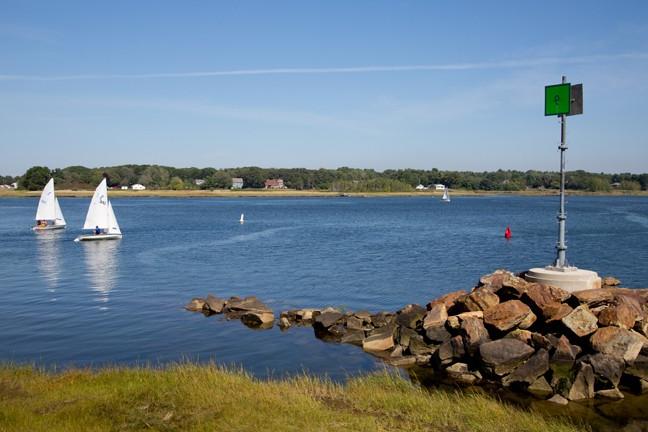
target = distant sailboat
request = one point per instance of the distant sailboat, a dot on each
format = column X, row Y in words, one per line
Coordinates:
column 446, row 196
column 242, row 220
column 101, row 217
column 49, row 215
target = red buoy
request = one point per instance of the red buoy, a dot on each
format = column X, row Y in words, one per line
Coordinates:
column 507, row 233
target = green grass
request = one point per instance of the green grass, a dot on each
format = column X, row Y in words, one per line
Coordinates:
column 188, row 397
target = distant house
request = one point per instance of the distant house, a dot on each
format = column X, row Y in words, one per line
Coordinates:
column 138, row 186
column 199, row 182
column 439, row 187
column 14, row 185
column 237, row 183
column 274, row 184
column 615, row 185
column 420, row 187
column 124, row 188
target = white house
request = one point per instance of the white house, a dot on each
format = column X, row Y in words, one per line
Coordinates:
column 237, row 183
column 138, row 186
column 14, row 185
column 124, row 188
column 420, row 187
column 439, row 187
column 199, row 182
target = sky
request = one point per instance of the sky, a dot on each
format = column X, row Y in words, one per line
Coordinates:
column 366, row 84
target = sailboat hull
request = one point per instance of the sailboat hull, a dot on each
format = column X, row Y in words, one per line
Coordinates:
column 48, row 228
column 97, row 237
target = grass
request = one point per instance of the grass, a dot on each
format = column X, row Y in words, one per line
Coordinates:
column 226, row 193
column 189, row 397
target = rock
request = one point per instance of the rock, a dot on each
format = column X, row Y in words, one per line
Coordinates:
column 410, row 316
column 450, row 350
column 354, row 323
column 565, row 352
column 504, row 355
column 453, row 322
column 404, row 335
column 581, row 321
column 540, row 388
column 513, row 286
column 397, row 351
column 247, row 304
column 561, row 365
column 327, row 319
column 557, row 399
column 382, row 319
column 423, row 360
column 539, row 341
column 610, row 281
column 284, row 323
column 354, row 337
column 437, row 334
column 195, row 305
column 531, row 370
column 621, row 315
column 545, row 299
column 364, row 316
column 449, row 300
column 214, row 304
column 557, row 312
column 608, row 369
column 618, row 342
column 639, row 368
column 474, row 333
column 594, row 297
column 583, row 385
column 507, row 315
column 528, row 321
column 258, row 319
column 612, row 394
column 460, row 374
column 407, row 361
column 644, row 386
column 436, row 317
column 417, row 346
column 642, row 327
column 480, row 299
column 381, row 339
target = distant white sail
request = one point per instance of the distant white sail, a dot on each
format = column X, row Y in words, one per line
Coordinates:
column 59, row 220
column 113, row 226
column 242, row 220
column 445, row 197
column 47, row 204
column 98, row 214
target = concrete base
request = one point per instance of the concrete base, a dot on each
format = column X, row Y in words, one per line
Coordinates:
column 568, row 278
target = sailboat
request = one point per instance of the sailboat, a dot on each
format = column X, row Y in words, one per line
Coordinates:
column 445, row 197
column 101, row 217
column 49, row 215
column 242, row 220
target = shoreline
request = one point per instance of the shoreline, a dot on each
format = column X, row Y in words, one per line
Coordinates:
column 261, row 193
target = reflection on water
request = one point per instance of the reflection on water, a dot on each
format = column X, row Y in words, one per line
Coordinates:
column 101, row 268
column 48, row 259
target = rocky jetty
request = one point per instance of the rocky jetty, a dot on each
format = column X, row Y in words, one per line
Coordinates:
column 504, row 332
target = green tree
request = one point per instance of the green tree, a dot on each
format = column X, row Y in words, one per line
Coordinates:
column 176, row 183
column 35, row 178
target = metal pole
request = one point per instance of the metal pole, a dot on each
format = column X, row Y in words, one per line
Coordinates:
column 561, row 260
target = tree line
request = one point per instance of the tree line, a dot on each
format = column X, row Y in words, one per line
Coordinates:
column 342, row 179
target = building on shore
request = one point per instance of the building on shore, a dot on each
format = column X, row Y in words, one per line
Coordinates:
column 274, row 184
column 138, row 187
column 420, row 187
column 237, row 183
column 124, row 188
column 199, row 182
column 439, row 187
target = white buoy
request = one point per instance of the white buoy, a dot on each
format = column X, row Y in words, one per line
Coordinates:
column 242, row 220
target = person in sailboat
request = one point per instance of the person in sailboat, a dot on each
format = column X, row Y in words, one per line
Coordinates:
column 97, row 230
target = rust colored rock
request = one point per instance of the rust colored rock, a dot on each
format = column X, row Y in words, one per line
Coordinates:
column 565, row 352
column 618, row 342
column 557, row 312
column 494, row 280
column 196, row 304
column 621, row 315
column 507, row 315
column 513, row 286
column 521, row 335
column 480, row 299
column 214, row 304
column 595, row 297
column 436, row 317
column 545, row 298
column 504, row 355
column 475, row 333
column 449, row 300
column 247, row 304
column 581, row 321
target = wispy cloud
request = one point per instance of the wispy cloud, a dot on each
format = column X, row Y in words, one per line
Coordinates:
column 500, row 64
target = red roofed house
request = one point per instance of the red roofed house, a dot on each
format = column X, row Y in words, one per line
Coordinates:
column 274, row 184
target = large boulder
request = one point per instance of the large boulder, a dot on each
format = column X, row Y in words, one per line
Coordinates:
column 214, row 304
column 436, row 317
column 594, row 297
column 508, row 315
column 450, row 350
column 354, row 337
column 621, row 315
column 449, row 300
column 608, row 369
column 581, row 321
column 546, row 299
column 540, row 388
column 380, row 339
column 328, row 319
column 381, row 319
column 437, row 334
column 556, row 312
column 258, row 319
column 460, row 374
column 531, row 370
column 196, row 304
column 583, row 385
column 410, row 316
column 474, row 333
column 480, row 299
column 504, row 355
column 609, row 281
column 639, row 368
column 247, row 304
column 618, row 342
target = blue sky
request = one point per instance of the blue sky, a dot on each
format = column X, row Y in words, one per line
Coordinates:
column 369, row 84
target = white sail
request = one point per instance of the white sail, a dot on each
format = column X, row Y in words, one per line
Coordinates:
column 445, row 195
column 59, row 220
column 47, row 204
column 98, row 215
column 113, row 226
column 242, row 220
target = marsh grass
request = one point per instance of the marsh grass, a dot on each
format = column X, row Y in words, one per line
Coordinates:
column 189, row 397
